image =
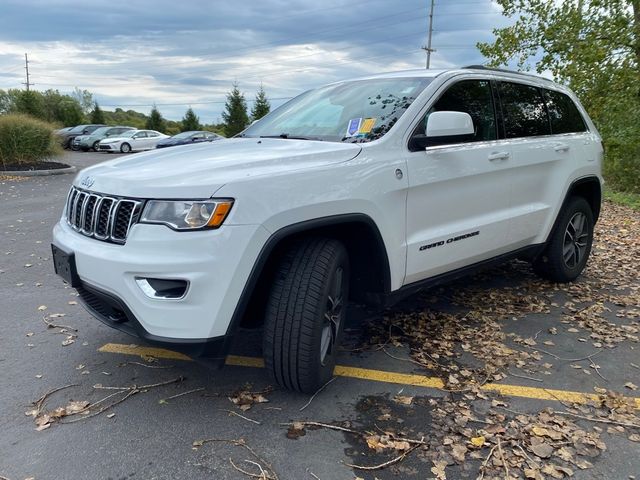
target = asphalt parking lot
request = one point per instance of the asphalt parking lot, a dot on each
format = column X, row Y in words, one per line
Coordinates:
column 496, row 376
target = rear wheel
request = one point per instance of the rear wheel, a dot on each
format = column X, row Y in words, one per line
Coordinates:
column 125, row 148
column 96, row 146
column 569, row 247
column 305, row 314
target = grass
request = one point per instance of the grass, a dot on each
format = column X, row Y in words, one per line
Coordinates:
column 631, row 200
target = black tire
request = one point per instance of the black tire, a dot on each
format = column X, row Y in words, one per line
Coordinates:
column 125, row 148
column 300, row 309
column 96, row 145
column 568, row 249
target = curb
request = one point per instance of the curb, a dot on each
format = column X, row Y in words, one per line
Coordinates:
column 39, row 173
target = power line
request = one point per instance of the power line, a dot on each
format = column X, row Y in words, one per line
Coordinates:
column 269, row 73
column 283, row 42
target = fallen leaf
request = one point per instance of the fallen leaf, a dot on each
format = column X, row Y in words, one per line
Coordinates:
column 458, row 453
column 438, row 470
column 542, row 450
column 404, row 400
column 477, row 441
column 296, row 430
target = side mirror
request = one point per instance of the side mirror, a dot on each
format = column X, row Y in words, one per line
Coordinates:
column 443, row 128
column 449, row 124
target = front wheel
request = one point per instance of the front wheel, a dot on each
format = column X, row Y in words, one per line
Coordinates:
column 125, row 148
column 568, row 250
column 305, row 314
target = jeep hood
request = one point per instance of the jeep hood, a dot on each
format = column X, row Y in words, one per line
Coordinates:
column 198, row 171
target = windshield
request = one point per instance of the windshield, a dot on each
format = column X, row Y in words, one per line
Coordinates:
column 184, row 135
column 101, row 131
column 357, row 111
column 128, row 133
column 79, row 128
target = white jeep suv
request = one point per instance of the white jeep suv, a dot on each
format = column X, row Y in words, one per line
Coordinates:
column 362, row 190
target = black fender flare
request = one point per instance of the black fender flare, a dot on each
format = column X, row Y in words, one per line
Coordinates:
column 297, row 228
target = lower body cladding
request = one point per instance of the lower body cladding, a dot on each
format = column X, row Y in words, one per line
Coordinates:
column 179, row 290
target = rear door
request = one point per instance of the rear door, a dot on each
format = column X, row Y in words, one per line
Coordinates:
column 542, row 157
column 458, row 199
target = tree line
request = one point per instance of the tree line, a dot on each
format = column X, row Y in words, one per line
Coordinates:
column 80, row 107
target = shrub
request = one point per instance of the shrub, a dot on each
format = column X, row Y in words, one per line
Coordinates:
column 25, row 140
column 622, row 166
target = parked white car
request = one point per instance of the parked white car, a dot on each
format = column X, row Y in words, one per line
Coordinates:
column 364, row 190
column 132, row 141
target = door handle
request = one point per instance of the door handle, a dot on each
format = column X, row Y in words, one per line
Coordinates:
column 561, row 147
column 498, row 156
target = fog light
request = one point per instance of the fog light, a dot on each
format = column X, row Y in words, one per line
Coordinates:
column 163, row 288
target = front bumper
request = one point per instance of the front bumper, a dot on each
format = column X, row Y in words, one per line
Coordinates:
column 216, row 263
column 108, row 147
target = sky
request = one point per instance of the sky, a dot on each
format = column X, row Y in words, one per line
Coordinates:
column 178, row 54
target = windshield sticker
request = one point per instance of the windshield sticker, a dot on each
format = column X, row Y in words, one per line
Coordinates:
column 354, row 127
column 366, row 126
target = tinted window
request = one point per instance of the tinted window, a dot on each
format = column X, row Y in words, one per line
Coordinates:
column 563, row 113
column 472, row 97
column 523, row 110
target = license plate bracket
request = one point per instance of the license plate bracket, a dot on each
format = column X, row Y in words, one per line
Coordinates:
column 64, row 265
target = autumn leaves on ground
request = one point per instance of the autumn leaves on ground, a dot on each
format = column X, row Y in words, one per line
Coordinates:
column 458, row 334
column 465, row 335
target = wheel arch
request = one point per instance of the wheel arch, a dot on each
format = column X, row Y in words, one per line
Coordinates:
column 588, row 188
column 370, row 270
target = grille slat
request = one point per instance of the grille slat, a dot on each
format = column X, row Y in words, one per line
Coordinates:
column 101, row 217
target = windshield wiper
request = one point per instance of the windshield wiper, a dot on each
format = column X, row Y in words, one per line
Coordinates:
column 290, row 137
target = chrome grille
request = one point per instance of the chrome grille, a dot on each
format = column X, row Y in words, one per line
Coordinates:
column 101, row 217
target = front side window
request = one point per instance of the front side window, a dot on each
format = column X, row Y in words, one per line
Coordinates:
column 356, row 111
column 473, row 97
column 563, row 113
column 524, row 111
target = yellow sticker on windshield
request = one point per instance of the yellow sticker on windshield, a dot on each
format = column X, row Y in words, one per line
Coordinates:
column 366, row 125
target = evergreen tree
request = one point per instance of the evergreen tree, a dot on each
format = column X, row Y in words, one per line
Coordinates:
column 235, row 115
column 155, row 121
column 97, row 115
column 190, row 121
column 261, row 106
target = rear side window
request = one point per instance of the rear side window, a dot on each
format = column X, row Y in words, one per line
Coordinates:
column 472, row 97
column 524, row 111
column 563, row 113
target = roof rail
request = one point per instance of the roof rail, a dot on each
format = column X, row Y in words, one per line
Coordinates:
column 504, row 70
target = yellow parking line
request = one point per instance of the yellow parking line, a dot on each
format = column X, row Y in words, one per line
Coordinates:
column 144, row 352
column 374, row 375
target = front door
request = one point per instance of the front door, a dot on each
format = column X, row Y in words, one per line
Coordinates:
column 458, row 201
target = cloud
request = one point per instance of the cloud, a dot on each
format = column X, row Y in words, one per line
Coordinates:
column 177, row 54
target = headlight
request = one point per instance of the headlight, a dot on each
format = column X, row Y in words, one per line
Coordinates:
column 187, row 214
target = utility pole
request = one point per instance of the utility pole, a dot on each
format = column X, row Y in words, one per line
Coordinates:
column 428, row 48
column 26, row 67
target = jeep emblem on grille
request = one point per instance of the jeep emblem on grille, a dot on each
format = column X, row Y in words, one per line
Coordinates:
column 87, row 181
